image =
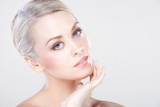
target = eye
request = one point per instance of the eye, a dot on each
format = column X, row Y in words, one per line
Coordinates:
column 58, row 46
column 77, row 32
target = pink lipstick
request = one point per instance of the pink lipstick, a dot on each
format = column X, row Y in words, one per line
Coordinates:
column 83, row 62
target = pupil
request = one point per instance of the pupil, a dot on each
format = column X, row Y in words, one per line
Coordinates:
column 76, row 33
column 58, row 45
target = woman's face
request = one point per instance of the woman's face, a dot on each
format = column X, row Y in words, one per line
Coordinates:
column 61, row 44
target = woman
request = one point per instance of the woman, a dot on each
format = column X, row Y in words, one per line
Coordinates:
column 51, row 40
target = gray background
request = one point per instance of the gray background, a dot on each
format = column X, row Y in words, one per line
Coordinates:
column 125, row 37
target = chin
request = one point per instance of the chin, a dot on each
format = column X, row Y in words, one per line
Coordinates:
column 85, row 73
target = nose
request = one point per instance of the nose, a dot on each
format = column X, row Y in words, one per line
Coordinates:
column 78, row 51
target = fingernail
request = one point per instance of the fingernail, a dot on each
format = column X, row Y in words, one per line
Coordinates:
column 92, row 62
column 104, row 68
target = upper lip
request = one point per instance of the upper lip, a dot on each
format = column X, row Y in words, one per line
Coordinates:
column 83, row 58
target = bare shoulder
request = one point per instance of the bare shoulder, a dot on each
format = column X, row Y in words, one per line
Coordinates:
column 25, row 104
column 33, row 101
column 100, row 103
column 28, row 103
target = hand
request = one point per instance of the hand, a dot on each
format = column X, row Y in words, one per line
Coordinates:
column 83, row 91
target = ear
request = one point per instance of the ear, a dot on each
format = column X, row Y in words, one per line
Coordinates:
column 34, row 64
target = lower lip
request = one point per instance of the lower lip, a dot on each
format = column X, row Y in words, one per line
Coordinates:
column 82, row 64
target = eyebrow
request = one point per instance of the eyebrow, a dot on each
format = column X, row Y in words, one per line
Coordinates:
column 60, row 36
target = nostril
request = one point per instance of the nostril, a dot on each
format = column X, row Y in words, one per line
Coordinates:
column 78, row 51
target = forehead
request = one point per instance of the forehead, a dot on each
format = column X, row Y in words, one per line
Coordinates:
column 53, row 24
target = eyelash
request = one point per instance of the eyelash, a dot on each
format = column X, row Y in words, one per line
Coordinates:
column 77, row 30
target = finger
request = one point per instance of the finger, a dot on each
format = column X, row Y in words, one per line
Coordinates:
column 94, row 75
column 102, row 73
column 98, row 80
column 94, row 72
column 91, row 76
column 98, row 69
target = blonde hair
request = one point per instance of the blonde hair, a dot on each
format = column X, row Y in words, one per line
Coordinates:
column 22, row 23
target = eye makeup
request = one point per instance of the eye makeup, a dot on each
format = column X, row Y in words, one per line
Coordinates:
column 59, row 45
column 77, row 32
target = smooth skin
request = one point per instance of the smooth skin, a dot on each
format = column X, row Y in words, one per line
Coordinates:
column 60, row 44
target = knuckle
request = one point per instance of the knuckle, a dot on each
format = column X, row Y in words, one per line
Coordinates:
column 90, row 86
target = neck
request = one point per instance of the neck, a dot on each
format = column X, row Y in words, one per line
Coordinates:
column 58, row 89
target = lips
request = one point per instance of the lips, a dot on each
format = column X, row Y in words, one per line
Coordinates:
column 82, row 62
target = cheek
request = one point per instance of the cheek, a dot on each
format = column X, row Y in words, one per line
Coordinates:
column 86, row 44
column 50, row 62
column 54, row 62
